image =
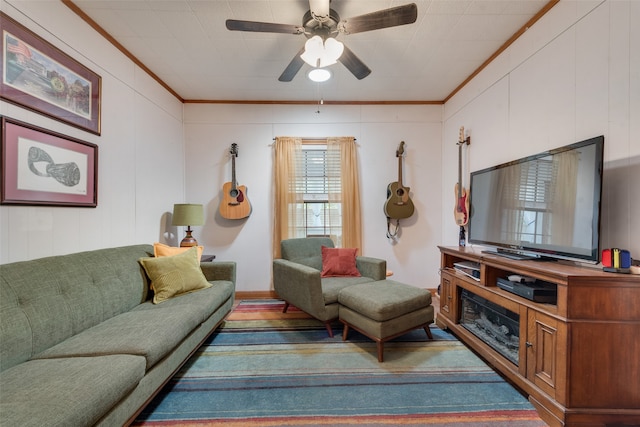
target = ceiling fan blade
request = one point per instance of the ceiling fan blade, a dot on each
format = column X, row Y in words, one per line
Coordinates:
column 292, row 69
column 263, row 27
column 354, row 64
column 385, row 18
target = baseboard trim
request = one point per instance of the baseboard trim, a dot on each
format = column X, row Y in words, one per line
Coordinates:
column 240, row 295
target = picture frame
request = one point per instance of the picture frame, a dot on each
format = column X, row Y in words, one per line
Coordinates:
column 41, row 167
column 38, row 76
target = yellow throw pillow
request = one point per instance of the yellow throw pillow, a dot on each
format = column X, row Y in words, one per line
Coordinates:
column 174, row 275
column 160, row 249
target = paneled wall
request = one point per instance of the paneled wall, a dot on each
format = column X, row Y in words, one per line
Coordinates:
column 140, row 170
column 574, row 75
column 211, row 129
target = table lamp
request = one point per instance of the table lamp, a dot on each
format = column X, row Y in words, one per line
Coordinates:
column 188, row 214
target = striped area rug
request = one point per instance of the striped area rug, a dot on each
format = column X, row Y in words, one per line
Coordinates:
column 266, row 368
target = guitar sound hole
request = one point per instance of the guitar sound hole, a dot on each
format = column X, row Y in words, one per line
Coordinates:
column 233, row 193
column 400, row 192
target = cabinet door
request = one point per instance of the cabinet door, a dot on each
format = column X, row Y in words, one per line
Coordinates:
column 446, row 295
column 542, row 351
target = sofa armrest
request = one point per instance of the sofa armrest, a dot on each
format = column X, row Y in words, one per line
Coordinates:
column 299, row 285
column 219, row 270
column 372, row 267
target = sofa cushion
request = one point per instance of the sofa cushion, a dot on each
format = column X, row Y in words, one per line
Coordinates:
column 305, row 250
column 384, row 300
column 339, row 262
column 175, row 275
column 331, row 286
column 66, row 392
column 149, row 330
column 45, row 301
column 200, row 304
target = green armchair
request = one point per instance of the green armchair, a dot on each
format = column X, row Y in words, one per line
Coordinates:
column 296, row 278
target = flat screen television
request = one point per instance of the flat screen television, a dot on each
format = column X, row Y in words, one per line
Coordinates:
column 541, row 206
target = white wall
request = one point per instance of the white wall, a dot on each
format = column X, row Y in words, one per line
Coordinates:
column 140, row 160
column 211, row 129
column 574, row 75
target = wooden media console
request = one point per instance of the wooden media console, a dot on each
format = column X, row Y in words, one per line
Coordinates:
column 577, row 359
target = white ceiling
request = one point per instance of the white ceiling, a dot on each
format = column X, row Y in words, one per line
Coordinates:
column 186, row 45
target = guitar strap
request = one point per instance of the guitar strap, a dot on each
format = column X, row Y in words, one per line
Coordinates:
column 392, row 235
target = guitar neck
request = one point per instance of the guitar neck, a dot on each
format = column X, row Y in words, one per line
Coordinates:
column 460, row 170
column 400, row 171
column 233, row 171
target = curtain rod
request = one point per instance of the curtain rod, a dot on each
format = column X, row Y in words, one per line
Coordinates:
column 315, row 139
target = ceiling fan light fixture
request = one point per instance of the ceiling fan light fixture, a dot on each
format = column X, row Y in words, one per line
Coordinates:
column 333, row 49
column 321, row 54
column 319, row 75
column 313, row 49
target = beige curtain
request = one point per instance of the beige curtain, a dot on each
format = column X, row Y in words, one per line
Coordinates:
column 349, row 195
column 286, row 151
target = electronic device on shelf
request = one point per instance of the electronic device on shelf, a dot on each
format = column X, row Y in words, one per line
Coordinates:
column 532, row 289
column 470, row 268
column 520, row 279
column 541, row 206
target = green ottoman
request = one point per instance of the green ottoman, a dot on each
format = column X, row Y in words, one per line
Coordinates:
column 384, row 310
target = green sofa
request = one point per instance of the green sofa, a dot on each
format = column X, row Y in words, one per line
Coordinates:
column 82, row 344
column 296, row 278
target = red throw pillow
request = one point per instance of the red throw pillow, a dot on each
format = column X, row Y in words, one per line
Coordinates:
column 337, row 262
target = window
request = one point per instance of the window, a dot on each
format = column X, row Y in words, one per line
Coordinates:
column 318, row 214
column 316, row 190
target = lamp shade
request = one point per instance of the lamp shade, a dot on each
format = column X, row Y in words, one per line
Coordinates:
column 187, row 214
column 333, row 49
column 319, row 53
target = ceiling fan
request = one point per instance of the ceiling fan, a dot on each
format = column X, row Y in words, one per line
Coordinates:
column 322, row 21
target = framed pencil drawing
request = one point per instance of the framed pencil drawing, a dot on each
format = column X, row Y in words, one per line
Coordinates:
column 41, row 167
column 38, row 76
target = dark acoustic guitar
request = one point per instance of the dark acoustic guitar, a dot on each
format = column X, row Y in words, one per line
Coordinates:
column 234, row 204
column 399, row 205
column 461, row 210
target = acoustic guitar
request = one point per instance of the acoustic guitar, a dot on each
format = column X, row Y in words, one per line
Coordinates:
column 398, row 205
column 461, row 210
column 234, row 203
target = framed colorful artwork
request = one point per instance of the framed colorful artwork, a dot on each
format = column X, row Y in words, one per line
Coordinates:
column 38, row 76
column 40, row 167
